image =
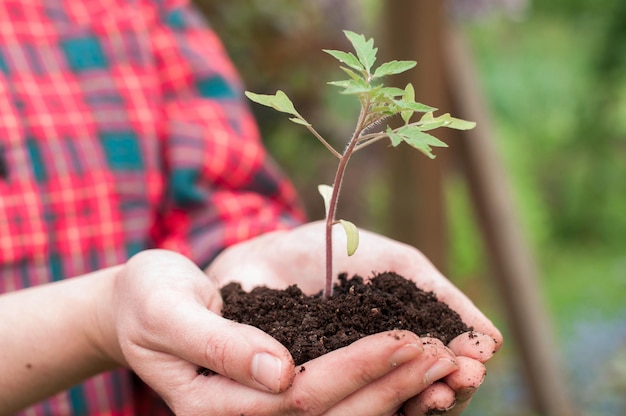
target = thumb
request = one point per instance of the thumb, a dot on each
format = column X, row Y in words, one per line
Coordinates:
column 241, row 352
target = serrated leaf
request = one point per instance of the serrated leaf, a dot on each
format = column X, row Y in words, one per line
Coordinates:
column 344, row 83
column 346, row 58
column 416, row 138
column 393, row 68
column 352, row 74
column 408, row 97
column 427, row 118
column 326, row 191
column 279, row 101
column 352, row 236
column 365, row 50
column 409, row 93
column 391, row 92
column 419, row 107
column 355, row 88
column 460, row 124
column 395, row 139
column 428, row 122
column 382, row 111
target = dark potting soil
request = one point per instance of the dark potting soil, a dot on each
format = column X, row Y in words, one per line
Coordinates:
column 310, row 326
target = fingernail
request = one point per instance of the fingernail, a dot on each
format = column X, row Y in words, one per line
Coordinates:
column 442, row 410
column 441, row 368
column 405, row 353
column 267, row 371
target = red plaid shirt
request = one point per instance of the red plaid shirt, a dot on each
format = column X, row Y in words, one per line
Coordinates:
column 122, row 128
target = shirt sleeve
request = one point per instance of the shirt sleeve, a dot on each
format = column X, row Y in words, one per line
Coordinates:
column 222, row 187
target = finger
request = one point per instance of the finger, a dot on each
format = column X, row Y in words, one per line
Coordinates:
column 467, row 379
column 453, row 394
column 436, row 399
column 240, row 352
column 474, row 345
column 387, row 394
column 349, row 369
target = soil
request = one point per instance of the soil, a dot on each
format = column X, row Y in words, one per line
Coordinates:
column 310, row 326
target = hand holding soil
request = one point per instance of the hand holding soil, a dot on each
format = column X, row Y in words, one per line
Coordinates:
column 283, row 258
column 162, row 321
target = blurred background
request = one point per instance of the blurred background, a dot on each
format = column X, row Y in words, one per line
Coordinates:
column 552, row 79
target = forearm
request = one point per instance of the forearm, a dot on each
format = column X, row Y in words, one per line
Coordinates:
column 51, row 338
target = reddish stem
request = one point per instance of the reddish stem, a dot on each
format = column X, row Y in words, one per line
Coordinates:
column 332, row 205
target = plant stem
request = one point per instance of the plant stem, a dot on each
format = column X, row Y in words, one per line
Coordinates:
column 324, row 142
column 332, row 206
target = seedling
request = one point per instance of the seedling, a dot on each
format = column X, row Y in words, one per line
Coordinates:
column 378, row 103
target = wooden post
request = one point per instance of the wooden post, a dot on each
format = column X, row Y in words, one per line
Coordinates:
column 420, row 219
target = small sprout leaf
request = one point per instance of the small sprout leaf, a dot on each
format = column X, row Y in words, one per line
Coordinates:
column 365, row 50
column 408, row 98
column 352, row 235
column 351, row 73
column 418, row 107
column 346, row 58
column 357, row 89
column 395, row 139
column 460, row 124
column 279, row 101
column 353, row 86
column 428, row 122
column 326, row 191
column 409, row 93
column 342, row 84
column 416, row 138
column 391, row 92
column 393, row 68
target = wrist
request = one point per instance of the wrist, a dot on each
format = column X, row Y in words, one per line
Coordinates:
column 103, row 332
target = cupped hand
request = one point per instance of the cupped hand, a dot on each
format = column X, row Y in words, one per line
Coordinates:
column 283, row 258
column 162, row 321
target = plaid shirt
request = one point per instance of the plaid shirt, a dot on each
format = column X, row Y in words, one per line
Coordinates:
column 122, row 128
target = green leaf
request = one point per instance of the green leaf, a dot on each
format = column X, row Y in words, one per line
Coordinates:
column 460, row 124
column 408, row 97
column 279, row 101
column 357, row 87
column 365, row 50
column 326, row 191
column 391, row 92
column 418, row 107
column 428, row 122
column 416, row 138
column 346, row 58
column 352, row 236
column 352, row 74
column 393, row 67
column 395, row 139
column 344, row 83
column 409, row 93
